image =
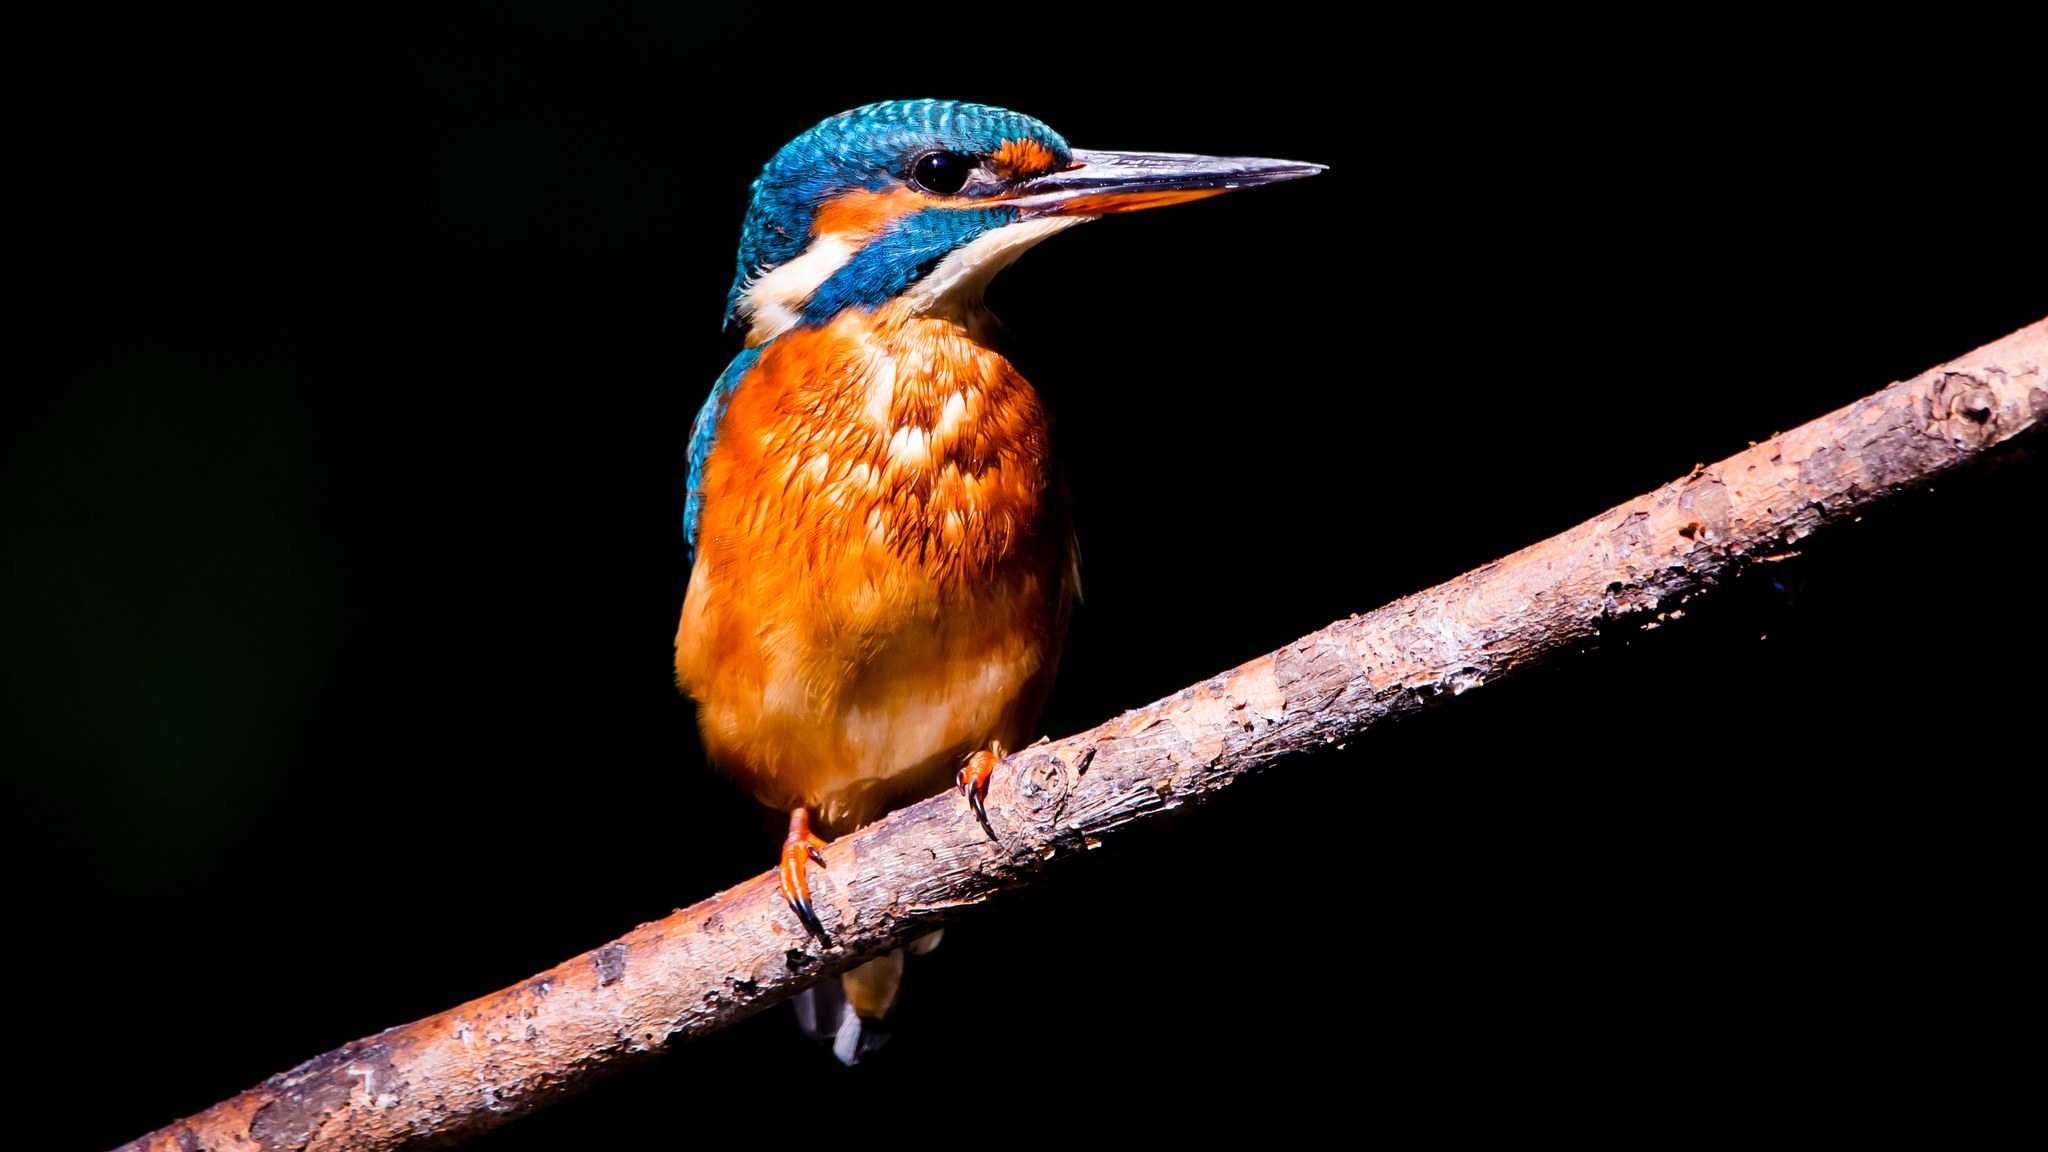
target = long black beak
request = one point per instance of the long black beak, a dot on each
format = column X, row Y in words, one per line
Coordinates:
column 1102, row 183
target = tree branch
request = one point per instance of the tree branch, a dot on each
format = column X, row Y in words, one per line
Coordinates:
column 452, row 1075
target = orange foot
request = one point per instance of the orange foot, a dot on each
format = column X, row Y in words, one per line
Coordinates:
column 796, row 881
column 973, row 781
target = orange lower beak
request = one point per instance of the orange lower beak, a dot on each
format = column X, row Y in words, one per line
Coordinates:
column 1105, row 183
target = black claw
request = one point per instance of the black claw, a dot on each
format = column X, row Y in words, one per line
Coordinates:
column 815, row 854
column 981, row 813
column 802, row 908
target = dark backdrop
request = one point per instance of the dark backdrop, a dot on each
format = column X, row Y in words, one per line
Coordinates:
column 345, row 469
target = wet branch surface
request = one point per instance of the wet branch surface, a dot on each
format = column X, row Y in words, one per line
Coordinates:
column 449, row 1076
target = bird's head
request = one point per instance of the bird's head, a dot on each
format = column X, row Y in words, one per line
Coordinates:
column 925, row 200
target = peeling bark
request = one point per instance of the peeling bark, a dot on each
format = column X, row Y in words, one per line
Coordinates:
column 449, row 1076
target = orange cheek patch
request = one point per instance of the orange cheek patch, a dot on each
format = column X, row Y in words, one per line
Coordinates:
column 1021, row 158
column 864, row 213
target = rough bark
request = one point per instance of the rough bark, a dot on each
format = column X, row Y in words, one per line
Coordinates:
column 449, row 1076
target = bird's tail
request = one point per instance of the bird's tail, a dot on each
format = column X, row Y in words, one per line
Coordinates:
column 850, row 1014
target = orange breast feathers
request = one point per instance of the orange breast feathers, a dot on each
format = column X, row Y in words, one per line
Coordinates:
column 885, row 565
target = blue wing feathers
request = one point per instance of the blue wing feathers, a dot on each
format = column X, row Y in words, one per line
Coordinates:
column 704, row 434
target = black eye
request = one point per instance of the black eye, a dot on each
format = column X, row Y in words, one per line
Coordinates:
column 941, row 172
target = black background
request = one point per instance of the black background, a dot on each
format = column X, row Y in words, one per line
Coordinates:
column 343, row 559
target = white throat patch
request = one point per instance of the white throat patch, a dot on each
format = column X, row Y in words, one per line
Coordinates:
column 958, row 282
column 774, row 301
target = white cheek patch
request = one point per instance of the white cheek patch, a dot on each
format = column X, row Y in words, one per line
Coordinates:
column 775, row 300
column 961, row 278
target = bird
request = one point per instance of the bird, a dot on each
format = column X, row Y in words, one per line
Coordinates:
column 881, row 547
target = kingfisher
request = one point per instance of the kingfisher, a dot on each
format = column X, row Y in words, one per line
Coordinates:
column 882, row 557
